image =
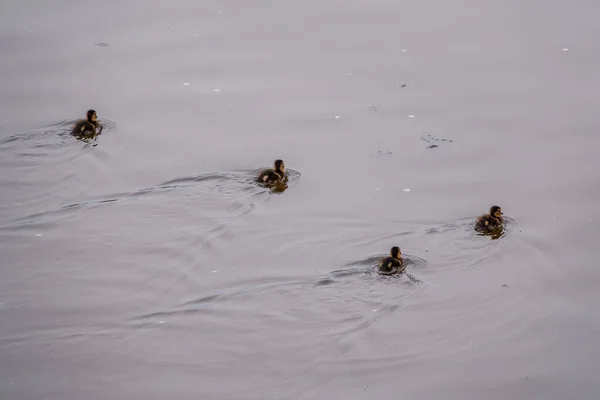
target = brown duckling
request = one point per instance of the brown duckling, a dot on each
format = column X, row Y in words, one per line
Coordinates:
column 276, row 174
column 87, row 126
column 490, row 222
column 394, row 264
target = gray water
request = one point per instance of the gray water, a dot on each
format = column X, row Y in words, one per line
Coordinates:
column 147, row 265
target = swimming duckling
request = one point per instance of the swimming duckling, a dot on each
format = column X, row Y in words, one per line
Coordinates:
column 274, row 175
column 490, row 222
column 87, row 126
column 394, row 264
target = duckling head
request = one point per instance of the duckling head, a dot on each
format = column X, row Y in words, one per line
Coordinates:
column 395, row 252
column 496, row 212
column 279, row 166
column 91, row 116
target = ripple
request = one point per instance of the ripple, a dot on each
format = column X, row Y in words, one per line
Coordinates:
column 357, row 286
column 370, row 265
column 49, row 137
column 45, row 164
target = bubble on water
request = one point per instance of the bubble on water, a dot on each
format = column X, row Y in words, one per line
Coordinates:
column 376, row 188
column 38, row 234
column 565, row 49
column 216, row 90
column 186, row 84
column 406, row 189
column 214, row 272
column 337, row 117
column 411, row 116
column 162, row 322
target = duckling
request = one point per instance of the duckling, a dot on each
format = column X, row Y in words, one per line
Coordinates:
column 274, row 175
column 88, row 125
column 394, row 264
column 490, row 222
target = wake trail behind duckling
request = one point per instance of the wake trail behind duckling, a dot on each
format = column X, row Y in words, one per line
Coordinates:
column 236, row 187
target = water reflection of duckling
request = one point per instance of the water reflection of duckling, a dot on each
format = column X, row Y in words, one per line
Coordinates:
column 274, row 175
column 488, row 223
column 394, row 264
column 87, row 126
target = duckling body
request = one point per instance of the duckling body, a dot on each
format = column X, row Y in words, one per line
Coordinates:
column 491, row 222
column 273, row 175
column 85, row 128
column 88, row 126
column 394, row 264
column 269, row 176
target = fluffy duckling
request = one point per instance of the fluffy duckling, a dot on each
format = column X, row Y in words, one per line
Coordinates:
column 490, row 222
column 274, row 175
column 394, row 264
column 88, row 125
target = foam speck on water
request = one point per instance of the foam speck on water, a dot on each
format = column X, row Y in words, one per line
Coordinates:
column 406, row 189
column 186, row 84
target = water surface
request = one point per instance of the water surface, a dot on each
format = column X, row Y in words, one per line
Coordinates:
column 148, row 265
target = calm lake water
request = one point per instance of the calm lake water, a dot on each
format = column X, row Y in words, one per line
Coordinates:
column 147, row 265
